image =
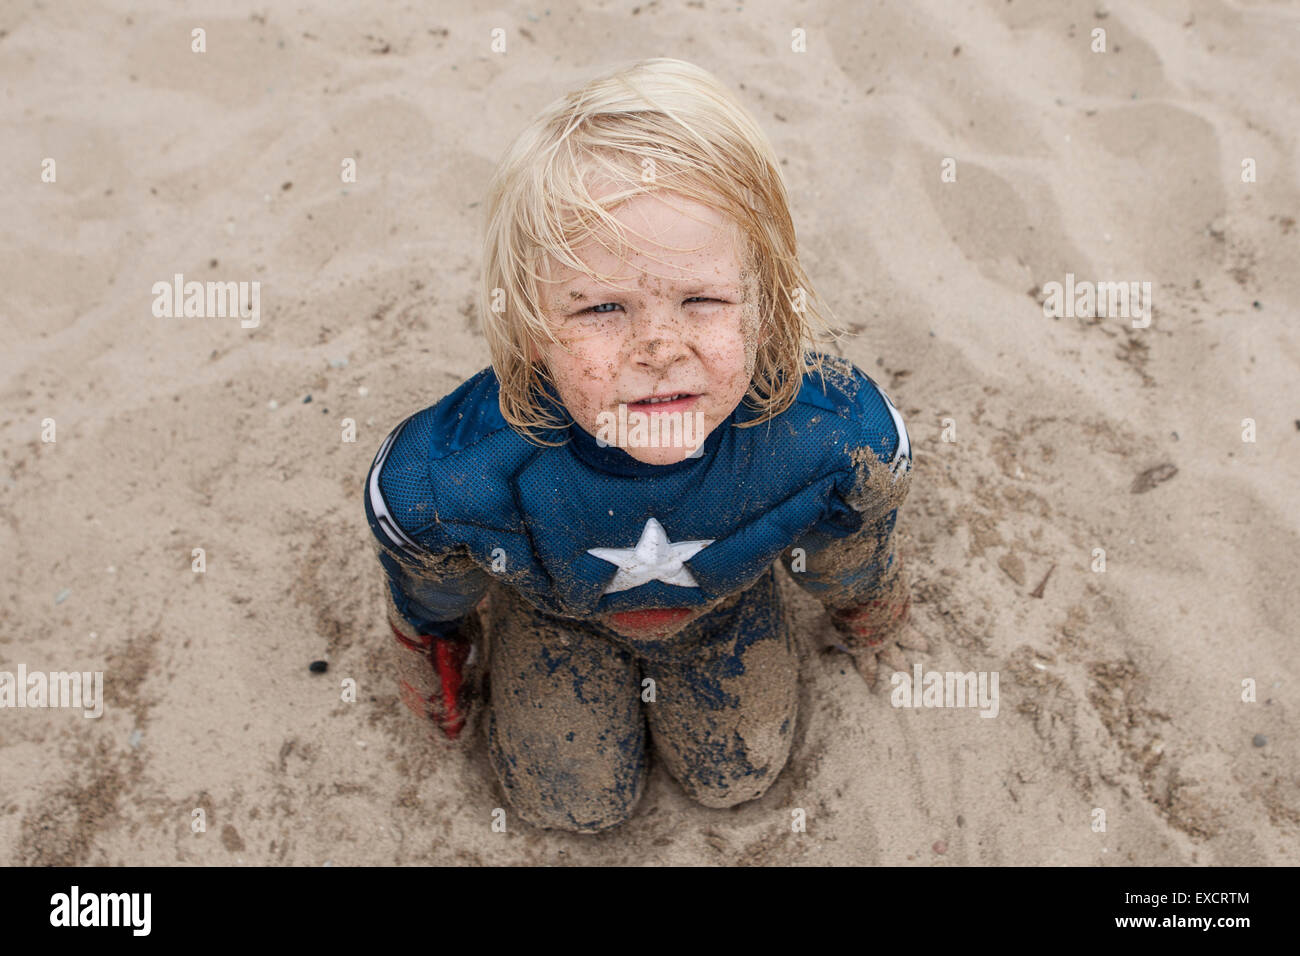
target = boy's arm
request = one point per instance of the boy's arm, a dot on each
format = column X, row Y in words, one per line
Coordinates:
column 859, row 577
column 436, row 631
column 431, row 600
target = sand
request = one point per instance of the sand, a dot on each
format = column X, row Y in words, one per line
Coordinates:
column 1121, row 690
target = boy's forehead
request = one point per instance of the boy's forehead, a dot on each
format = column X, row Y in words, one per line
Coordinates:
column 645, row 263
column 566, row 284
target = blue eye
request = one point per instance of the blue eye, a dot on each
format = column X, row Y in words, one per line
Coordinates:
column 599, row 310
column 595, row 309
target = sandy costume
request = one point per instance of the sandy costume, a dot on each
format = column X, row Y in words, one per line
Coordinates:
column 628, row 604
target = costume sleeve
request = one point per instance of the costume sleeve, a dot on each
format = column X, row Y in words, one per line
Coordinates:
column 857, row 575
column 433, row 584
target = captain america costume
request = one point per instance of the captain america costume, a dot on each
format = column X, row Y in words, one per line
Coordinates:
column 659, row 565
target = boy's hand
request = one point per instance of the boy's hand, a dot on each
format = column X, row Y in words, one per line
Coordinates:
column 438, row 676
column 875, row 634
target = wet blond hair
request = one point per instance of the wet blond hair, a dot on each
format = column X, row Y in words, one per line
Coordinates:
column 679, row 122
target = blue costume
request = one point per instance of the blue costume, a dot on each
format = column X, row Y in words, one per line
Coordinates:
column 598, row 558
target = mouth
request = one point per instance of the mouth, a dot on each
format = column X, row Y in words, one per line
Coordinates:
column 665, row 402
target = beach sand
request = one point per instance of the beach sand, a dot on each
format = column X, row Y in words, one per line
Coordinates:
column 1120, row 690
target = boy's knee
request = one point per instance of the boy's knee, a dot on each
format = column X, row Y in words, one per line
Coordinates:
column 719, row 793
column 571, row 804
column 723, row 758
column 593, row 816
column 554, row 791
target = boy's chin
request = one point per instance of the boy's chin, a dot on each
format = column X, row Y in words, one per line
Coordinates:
column 659, row 456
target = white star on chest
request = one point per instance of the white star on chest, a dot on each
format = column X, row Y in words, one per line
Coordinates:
column 654, row 558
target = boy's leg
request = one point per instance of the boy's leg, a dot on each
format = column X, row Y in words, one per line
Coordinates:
column 724, row 709
column 565, row 731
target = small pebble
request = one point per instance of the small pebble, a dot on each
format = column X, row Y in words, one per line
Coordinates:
column 134, row 740
column 1260, row 740
column 363, row 391
column 273, row 404
column 940, row 847
column 338, row 363
column 961, row 821
column 318, row 667
column 1256, row 304
column 307, row 400
column 62, row 596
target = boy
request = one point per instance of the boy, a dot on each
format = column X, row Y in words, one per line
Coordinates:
column 653, row 433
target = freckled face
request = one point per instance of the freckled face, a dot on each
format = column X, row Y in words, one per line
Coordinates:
column 680, row 319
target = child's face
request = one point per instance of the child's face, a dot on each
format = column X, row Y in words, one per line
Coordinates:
column 676, row 322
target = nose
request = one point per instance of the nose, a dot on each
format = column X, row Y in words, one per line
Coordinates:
column 658, row 339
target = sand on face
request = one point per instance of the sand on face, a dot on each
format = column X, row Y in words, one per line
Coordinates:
column 1121, row 690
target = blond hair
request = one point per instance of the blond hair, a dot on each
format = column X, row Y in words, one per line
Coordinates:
column 699, row 142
